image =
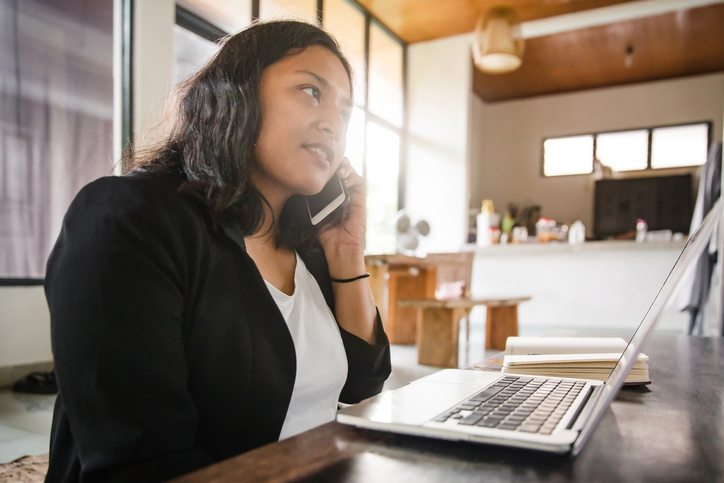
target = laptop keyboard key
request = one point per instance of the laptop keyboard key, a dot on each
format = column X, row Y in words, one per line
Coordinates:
column 471, row 419
column 489, row 423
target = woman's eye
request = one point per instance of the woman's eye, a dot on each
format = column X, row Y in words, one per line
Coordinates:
column 345, row 117
column 311, row 91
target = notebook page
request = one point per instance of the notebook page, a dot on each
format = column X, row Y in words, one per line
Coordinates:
column 563, row 345
column 567, row 358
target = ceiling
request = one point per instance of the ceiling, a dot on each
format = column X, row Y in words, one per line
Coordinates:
column 664, row 46
column 588, row 52
column 419, row 20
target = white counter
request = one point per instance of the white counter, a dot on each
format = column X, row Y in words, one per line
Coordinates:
column 601, row 285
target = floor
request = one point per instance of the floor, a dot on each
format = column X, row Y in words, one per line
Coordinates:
column 24, row 424
column 25, row 419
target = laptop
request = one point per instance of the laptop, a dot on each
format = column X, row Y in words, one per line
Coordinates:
column 542, row 413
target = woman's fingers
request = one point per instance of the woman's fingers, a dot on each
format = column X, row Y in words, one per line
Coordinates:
column 345, row 169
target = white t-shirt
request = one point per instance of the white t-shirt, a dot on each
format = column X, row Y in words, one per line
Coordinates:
column 321, row 359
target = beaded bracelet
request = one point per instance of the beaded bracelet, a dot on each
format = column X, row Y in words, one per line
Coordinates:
column 347, row 280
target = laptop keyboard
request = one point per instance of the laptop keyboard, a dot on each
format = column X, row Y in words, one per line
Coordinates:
column 526, row 404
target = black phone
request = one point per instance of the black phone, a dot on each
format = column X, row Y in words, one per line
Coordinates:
column 333, row 196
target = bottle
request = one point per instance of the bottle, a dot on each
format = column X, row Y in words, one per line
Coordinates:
column 641, row 229
column 485, row 223
column 577, row 233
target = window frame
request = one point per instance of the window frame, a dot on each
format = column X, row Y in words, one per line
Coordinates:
column 649, row 129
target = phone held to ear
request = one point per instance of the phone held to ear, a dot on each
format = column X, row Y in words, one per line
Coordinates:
column 333, row 196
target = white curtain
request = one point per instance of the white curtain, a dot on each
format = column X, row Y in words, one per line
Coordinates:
column 56, row 114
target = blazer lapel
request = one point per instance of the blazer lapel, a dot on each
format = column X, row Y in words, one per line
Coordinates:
column 233, row 231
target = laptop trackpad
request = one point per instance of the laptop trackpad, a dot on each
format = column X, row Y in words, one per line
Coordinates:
column 415, row 404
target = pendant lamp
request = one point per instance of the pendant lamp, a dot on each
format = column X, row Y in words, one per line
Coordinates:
column 498, row 45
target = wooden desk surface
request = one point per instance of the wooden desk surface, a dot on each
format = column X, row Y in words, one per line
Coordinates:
column 672, row 430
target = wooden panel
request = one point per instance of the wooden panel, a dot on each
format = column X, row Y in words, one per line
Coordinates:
column 682, row 43
column 419, row 20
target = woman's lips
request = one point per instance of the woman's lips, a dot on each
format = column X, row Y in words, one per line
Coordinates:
column 322, row 154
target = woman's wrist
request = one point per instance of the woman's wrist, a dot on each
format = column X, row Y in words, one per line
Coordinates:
column 345, row 262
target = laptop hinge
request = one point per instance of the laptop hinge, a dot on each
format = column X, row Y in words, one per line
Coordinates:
column 584, row 409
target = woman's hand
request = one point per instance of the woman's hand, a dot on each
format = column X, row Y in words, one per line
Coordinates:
column 349, row 236
column 344, row 250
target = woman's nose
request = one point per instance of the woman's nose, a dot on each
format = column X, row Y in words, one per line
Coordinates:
column 332, row 122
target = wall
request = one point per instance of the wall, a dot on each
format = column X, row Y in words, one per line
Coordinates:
column 152, row 66
column 506, row 137
column 439, row 86
column 24, row 330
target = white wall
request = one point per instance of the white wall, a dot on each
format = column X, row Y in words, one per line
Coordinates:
column 506, row 137
column 24, row 326
column 439, row 79
column 152, row 65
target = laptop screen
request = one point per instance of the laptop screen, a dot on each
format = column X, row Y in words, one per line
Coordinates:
column 686, row 262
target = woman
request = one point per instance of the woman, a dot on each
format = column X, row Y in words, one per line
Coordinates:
column 196, row 313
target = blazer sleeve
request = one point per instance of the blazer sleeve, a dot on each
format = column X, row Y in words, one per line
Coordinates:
column 115, row 287
column 368, row 365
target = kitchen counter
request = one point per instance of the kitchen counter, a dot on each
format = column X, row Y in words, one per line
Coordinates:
column 602, row 285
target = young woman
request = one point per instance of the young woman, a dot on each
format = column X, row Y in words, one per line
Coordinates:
column 196, row 313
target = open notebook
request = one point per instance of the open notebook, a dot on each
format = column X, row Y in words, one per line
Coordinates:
column 575, row 357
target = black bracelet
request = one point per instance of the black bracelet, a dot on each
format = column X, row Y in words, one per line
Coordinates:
column 347, row 280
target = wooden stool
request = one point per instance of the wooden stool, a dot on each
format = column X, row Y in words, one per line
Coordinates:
column 438, row 326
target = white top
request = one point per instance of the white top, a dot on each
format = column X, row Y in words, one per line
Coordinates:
column 321, row 359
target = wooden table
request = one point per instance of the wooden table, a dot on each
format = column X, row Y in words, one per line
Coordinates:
column 399, row 276
column 438, row 326
column 672, row 430
column 395, row 277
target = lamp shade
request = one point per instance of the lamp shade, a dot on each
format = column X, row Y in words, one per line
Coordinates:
column 498, row 44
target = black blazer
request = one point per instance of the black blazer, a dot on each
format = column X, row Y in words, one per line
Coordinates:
column 170, row 352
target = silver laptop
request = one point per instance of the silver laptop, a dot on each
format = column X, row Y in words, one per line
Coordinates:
column 548, row 414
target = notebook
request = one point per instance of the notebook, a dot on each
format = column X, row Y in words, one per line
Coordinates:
column 574, row 357
column 530, row 411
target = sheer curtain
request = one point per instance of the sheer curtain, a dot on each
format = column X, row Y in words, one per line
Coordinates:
column 56, row 114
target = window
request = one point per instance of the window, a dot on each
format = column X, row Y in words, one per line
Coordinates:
column 228, row 15
column 56, row 121
column 623, row 151
column 305, row 10
column 347, row 23
column 374, row 136
column 383, row 154
column 633, row 150
column 385, row 76
column 570, row 155
column 190, row 53
column 679, row 146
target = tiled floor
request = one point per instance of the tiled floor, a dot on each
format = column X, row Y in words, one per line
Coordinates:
column 25, row 419
column 24, row 424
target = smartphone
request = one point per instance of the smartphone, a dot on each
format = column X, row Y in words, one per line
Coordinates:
column 333, row 195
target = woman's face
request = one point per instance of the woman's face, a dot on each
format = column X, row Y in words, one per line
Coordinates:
column 305, row 106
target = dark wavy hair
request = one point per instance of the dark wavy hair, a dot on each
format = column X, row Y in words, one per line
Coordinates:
column 217, row 123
